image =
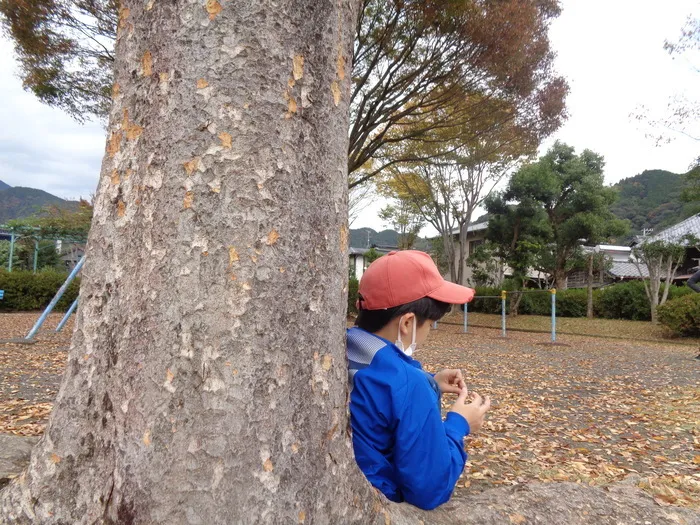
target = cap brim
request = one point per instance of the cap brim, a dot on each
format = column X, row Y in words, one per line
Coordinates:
column 453, row 293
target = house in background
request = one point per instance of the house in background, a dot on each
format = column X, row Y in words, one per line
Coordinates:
column 621, row 269
column 358, row 261
column 676, row 234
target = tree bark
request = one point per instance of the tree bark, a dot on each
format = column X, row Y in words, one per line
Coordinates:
column 206, row 381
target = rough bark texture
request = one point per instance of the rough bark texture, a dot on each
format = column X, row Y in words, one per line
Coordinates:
column 206, row 381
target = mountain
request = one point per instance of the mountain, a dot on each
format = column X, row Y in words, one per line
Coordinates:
column 18, row 202
column 651, row 200
column 384, row 238
column 4, row 186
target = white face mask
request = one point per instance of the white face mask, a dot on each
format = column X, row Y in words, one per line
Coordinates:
column 399, row 343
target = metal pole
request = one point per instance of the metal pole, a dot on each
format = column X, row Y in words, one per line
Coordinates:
column 55, row 299
column 466, row 314
column 36, row 253
column 68, row 314
column 503, row 312
column 12, row 251
column 553, row 291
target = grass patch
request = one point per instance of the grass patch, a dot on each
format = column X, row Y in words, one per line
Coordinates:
column 617, row 328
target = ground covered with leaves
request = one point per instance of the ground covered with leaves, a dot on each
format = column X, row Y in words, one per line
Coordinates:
column 592, row 411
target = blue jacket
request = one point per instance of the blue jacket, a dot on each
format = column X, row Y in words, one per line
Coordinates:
column 401, row 443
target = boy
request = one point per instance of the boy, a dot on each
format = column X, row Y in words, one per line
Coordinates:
column 401, row 443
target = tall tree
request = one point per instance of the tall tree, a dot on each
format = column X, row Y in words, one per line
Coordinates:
column 187, row 397
column 569, row 188
column 412, row 59
column 405, row 219
column 661, row 259
column 466, row 161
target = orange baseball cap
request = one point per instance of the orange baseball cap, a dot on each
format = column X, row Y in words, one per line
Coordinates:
column 402, row 277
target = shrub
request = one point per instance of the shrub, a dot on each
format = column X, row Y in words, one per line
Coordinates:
column 682, row 315
column 26, row 291
column 353, row 286
column 629, row 301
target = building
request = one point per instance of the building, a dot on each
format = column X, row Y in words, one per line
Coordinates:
column 678, row 234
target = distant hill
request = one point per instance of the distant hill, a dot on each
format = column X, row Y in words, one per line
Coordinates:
column 19, row 203
column 651, row 200
column 4, row 186
column 358, row 239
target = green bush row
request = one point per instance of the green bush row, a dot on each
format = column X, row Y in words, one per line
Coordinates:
column 26, row 291
column 618, row 301
column 682, row 315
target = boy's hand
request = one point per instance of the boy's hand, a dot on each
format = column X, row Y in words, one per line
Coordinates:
column 450, row 381
column 473, row 412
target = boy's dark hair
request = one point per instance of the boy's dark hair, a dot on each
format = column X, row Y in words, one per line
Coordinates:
column 425, row 309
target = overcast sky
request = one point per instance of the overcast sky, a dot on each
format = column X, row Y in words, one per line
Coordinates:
column 611, row 52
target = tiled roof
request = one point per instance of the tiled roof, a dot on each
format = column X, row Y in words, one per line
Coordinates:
column 673, row 234
column 628, row 269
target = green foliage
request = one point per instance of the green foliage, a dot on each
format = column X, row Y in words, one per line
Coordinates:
column 691, row 191
column 372, row 255
column 26, row 291
column 19, row 203
column 619, row 301
column 405, row 219
column 353, row 286
column 682, row 315
column 23, row 256
column 629, row 301
column 568, row 191
column 650, row 200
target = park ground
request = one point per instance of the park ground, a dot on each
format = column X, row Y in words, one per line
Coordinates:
column 593, row 410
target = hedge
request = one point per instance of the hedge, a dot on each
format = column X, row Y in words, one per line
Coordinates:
column 618, row 301
column 682, row 315
column 26, row 291
column 353, row 286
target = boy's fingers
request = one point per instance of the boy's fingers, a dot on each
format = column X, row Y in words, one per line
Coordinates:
column 487, row 404
column 462, row 396
column 477, row 399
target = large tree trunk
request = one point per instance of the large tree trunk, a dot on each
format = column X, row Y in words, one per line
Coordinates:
column 206, row 381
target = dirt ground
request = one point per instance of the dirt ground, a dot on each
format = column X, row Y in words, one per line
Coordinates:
column 593, row 411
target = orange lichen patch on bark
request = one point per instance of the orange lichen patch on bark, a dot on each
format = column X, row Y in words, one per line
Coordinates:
column 302, row 516
column 115, row 177
column 131, row 130
column 191, row 165
column 268, row 466
column 225, row 139
column 189, row 198
column 343, row 238
column 232, row 255
column 113, row 143
column 147, row 437
column 213, row 8
column 272, row 237
column 201, row 83
column 340, row 65
column 121, row 209
column 115, row 90
column 291, row 107
column 123, row 15
column 147, row 64
column 326, row 362
column 298, row 67
column 335, row 90
column 55, row 459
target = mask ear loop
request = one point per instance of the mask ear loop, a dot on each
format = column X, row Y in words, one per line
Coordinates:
column 413, row 341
